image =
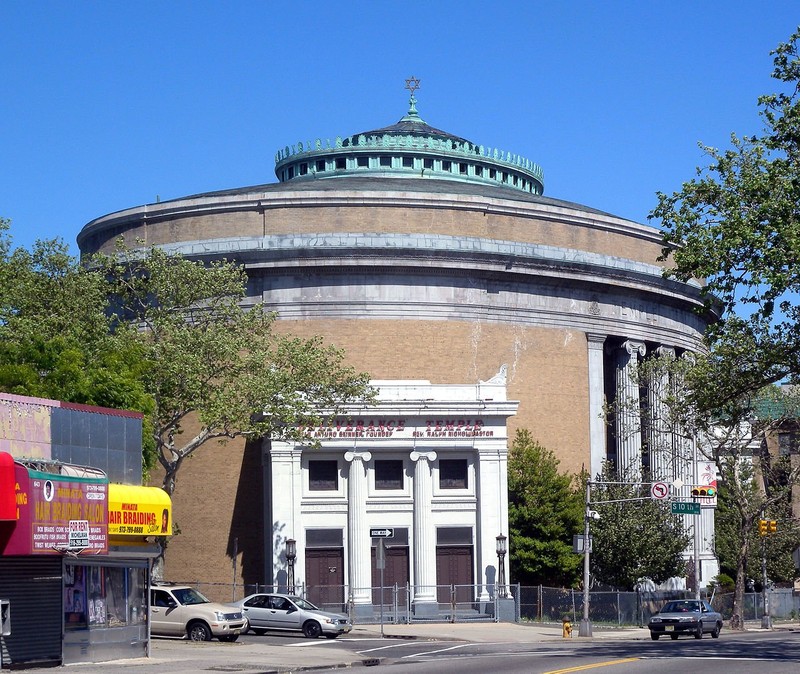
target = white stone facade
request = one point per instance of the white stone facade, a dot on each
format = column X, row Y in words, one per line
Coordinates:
column 415, row 427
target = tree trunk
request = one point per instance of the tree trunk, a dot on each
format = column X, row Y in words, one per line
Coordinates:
column 737, row 619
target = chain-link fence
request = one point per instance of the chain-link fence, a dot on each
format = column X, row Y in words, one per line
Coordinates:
column 462, row 603
column 396, row 604
column 545, row 604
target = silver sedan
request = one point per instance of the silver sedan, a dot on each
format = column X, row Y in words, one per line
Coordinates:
column 285, row 612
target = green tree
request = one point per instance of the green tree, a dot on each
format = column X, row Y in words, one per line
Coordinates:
column 727, row 529
column 753, row 481
column 737, row 225
column 777, row 547
column 55, row 337
column 545, row 509
column 636, row 537
column 215, row 367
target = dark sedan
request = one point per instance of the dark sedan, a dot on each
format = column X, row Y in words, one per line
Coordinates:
column 686, row 616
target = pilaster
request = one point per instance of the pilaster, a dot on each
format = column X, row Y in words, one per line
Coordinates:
column 597, row 426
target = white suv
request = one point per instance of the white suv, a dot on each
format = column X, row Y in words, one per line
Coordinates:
column 181, row 611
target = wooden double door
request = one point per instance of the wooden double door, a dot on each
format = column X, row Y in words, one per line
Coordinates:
column 395, row 572
column 325, row 577
column 454, row 567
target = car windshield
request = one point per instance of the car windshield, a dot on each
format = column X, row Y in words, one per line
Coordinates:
column 302, row 603
column 188, row 596
column 681, row 607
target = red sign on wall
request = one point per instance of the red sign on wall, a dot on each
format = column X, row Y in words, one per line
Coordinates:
column 49, row 506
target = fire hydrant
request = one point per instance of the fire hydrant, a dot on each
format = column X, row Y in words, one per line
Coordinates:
column 566, row 628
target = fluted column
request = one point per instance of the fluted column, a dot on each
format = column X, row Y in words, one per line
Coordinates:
column 660, row 435
column 686, row 451
column 424, row 532
column 597, row 426
column 628, row 417
column 359, row 542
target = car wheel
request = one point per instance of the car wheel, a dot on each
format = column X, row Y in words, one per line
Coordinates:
column 715, row 632
column 199, row 631
column 257, row 631
column 674, row 637
column 312, row 629
column 229, row 637
column 699, row 633
column 654, row 636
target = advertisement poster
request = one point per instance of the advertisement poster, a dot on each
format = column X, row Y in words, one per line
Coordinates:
column 58, row 512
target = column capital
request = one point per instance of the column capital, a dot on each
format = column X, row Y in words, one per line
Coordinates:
column 361, row 456
column 428, row 456
column 664, row 351
column 630, row 346
column 595, row 341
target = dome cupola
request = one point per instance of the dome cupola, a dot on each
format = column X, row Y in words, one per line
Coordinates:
column 409, row 148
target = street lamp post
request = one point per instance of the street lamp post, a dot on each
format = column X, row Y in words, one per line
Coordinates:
column 291, row 556
column 501, row 569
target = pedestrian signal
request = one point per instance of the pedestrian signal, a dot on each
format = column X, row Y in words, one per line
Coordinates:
column 772, row 526
column 708, row 492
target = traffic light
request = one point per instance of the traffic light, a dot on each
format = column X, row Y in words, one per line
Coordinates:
column 708, row 492
column 772, row 526
column 763, row 527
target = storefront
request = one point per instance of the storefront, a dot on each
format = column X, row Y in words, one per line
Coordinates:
column 75, row 564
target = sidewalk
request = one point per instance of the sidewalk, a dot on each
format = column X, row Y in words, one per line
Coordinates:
column 172, row 656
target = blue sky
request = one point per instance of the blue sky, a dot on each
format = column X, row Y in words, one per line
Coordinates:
column 106, row 105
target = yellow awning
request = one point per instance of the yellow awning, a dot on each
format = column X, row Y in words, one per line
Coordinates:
column 138, row 511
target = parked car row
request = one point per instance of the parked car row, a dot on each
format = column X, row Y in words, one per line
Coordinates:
column 182, row 611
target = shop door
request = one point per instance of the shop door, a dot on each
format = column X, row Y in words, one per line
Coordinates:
column 396, row 571
column 325, row 578
column 454, row 567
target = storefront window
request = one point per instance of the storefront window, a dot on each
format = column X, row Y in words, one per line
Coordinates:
column 74, row 596
column 104, row 596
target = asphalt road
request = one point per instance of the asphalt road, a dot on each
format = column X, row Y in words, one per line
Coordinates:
column 772, row 653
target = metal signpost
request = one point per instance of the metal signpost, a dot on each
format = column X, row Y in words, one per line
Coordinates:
column 381, row 534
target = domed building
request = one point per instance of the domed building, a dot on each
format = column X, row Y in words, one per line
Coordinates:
column 440, row 268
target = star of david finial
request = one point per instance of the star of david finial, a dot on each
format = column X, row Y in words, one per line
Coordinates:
column 412, row 84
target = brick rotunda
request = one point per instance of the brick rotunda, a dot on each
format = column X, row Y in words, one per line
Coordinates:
column 427, row 258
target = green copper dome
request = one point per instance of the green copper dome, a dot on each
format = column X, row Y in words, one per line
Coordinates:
column 409, row 148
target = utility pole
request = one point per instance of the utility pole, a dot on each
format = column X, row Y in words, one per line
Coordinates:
column 585, row 629
column 764, row 528
column 696, row 529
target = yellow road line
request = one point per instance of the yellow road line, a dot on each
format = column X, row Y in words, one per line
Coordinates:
column 599, row 664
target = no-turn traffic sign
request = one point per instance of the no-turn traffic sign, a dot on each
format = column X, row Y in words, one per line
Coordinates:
column 659, row 490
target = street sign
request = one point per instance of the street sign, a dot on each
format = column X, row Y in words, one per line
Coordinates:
column 685, row 508
column 577, row 543
column 659, row 490
column 381, row 533
column 78, row 534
